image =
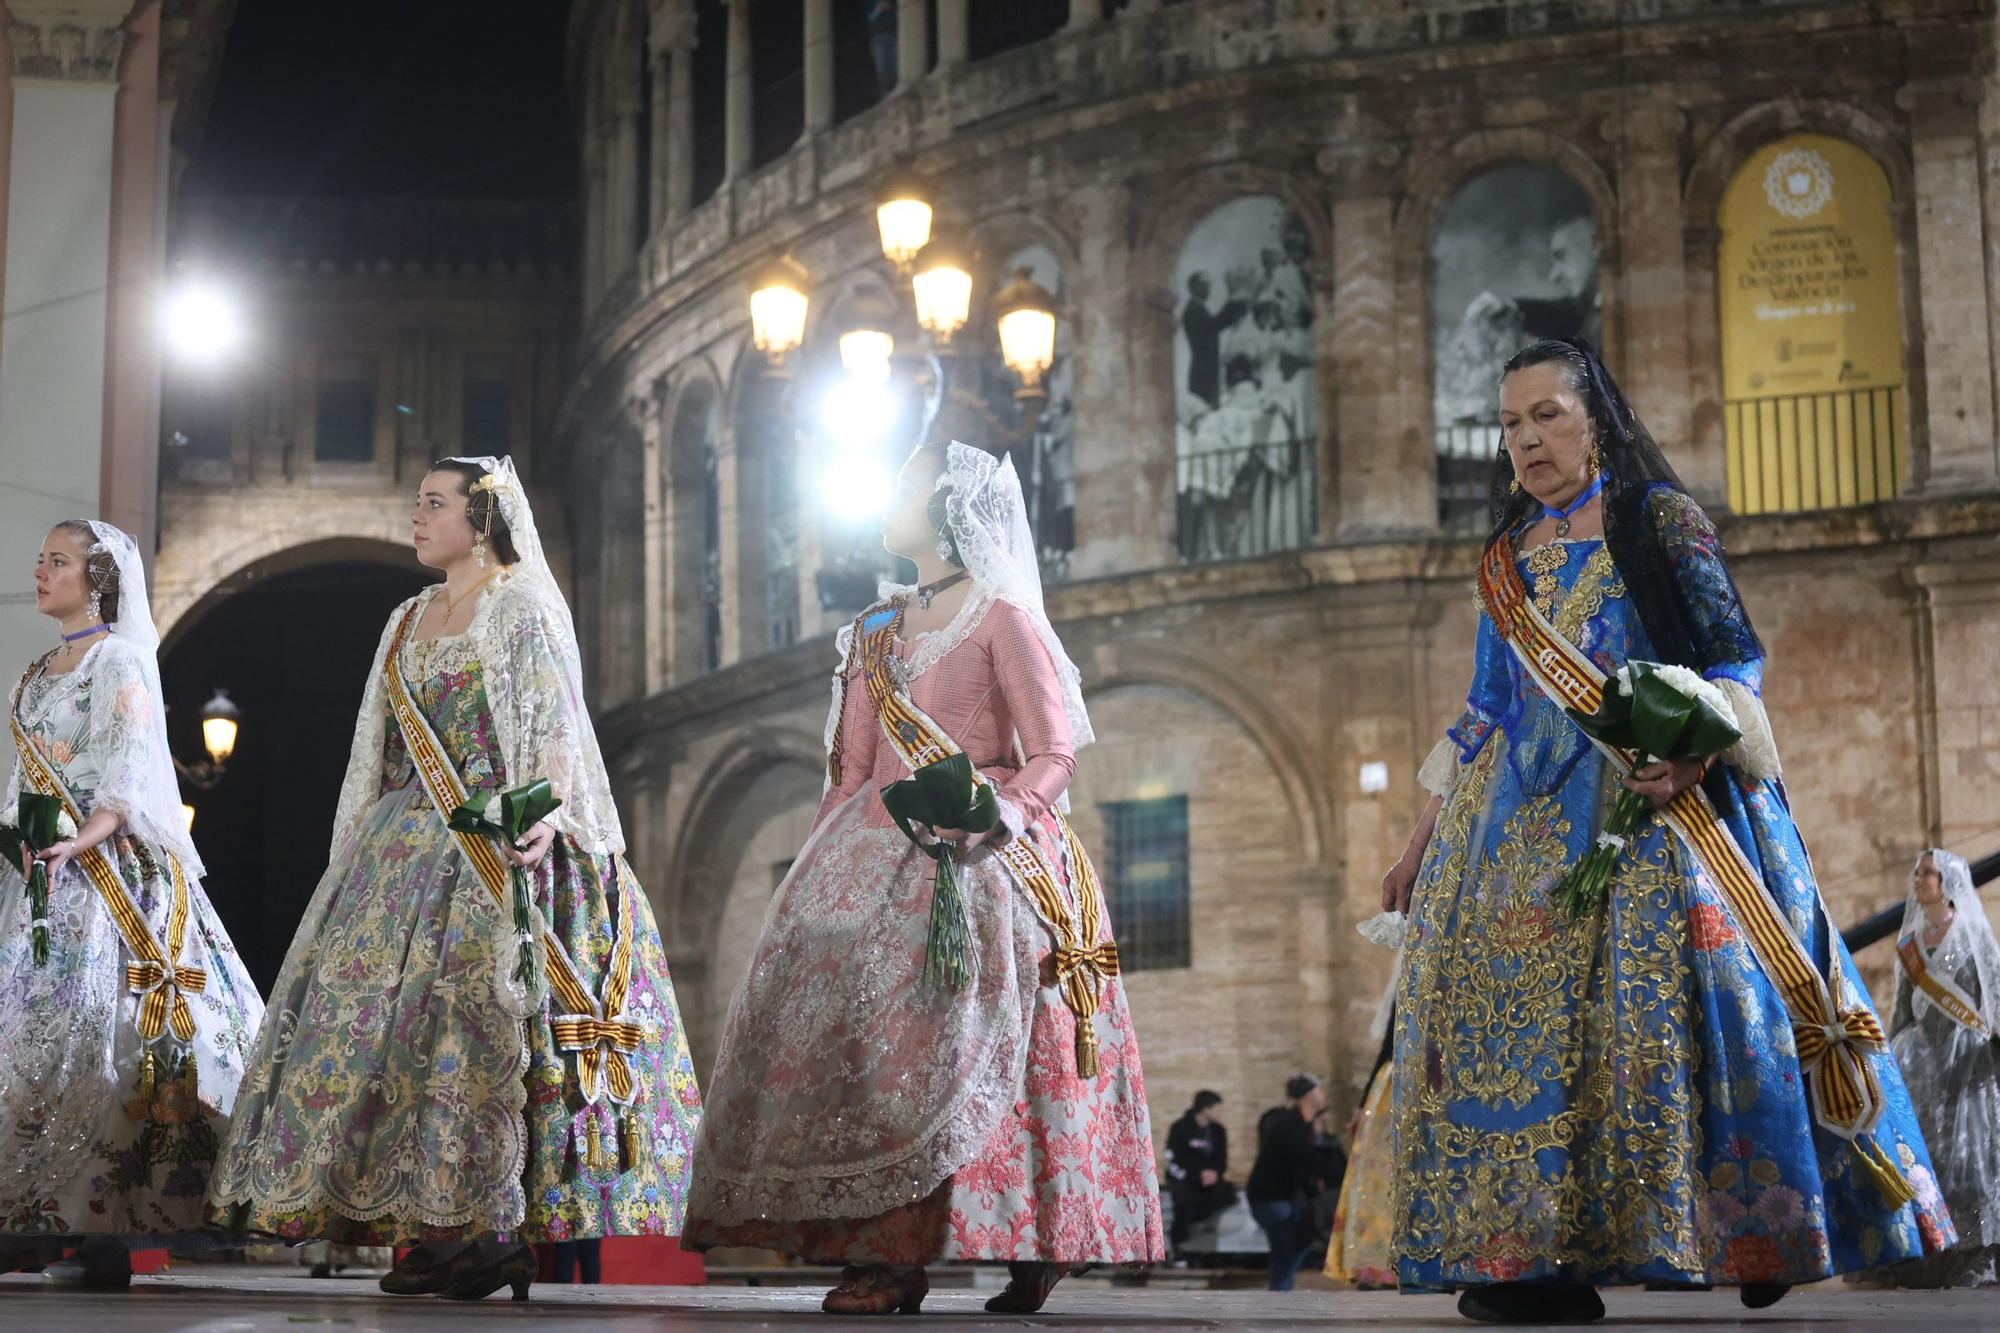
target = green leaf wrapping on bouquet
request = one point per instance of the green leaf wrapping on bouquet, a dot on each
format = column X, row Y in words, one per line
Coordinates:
column 521, row 808
column 944, row 795
column 39, row 829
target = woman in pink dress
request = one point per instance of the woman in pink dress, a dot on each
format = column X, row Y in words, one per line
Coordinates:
column 861, row 1115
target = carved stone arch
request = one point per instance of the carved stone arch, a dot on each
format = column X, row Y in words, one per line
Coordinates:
column 190, row 575
column 998, row 235
column 683, row 614
column 717, row 833
column 1430, row 183
column 1716, row 162
column 1179, row 204
column 1275, row 736
column 835, row 300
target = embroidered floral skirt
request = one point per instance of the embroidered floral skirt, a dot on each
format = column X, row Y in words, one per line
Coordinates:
column 93, row 1141
column 1029, row 1161
column 1618, row 1098
column 405, row 1090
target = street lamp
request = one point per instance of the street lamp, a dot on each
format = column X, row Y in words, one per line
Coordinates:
column 221, row 721
column 778, row 303
column 943, row 286
column 201, row 323
column 1027, row 318
column 903, row 217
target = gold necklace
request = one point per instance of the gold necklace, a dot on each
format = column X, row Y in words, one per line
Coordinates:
column 451, row 604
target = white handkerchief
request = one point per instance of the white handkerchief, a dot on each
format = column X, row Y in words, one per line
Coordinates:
column 1385, row 929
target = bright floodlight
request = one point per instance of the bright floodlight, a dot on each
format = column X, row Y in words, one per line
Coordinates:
column 202, row 324
column 857, row 413
column 856, row 486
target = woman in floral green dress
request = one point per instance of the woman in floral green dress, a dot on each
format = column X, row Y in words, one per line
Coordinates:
column 415, row 1085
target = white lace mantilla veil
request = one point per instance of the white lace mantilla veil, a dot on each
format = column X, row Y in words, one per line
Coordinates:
column 137, row 776
column 521, row 612
column 1969, row 923
column 988, row 514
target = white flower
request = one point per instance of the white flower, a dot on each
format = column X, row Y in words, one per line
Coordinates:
column 10, row 817
column 1612, row 841
column 1691, row 684
column 65, row 826
column 1385, row 928
column 492, row 815
column 1624, row 679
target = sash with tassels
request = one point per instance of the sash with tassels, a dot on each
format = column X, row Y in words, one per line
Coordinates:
column 596, row 1030
column 154, row 974
column 1942, row 991
column 1837, row 1045
column 1081, row 965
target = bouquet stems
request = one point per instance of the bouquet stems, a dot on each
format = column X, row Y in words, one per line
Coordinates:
column 948, row 947
column 38, row 910
column 1587, row 886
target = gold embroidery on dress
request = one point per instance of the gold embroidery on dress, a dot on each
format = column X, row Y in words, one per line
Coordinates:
column 1543, row 562
column 1506, row 1002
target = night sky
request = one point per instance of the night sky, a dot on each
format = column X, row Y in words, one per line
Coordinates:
column 390, row 98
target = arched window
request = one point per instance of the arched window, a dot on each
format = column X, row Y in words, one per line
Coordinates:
column 1513, row 259
column 1812, row 346
column 766, row 449
column 1246, row 384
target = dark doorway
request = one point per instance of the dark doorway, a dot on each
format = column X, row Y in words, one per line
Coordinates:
column 293, row 651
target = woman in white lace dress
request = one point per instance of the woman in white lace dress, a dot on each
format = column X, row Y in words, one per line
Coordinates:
column 120, row 1054
column 444, row 1067
column 1944, row 1036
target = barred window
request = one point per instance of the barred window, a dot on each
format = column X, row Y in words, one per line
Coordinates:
column 1147, row 877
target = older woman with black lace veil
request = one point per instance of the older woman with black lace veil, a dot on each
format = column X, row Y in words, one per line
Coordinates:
column 1685, row 1082
column 449, row 1066
column 123, row 1043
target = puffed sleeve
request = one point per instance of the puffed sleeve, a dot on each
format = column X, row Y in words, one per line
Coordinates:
column 1485, row 703
column 1032, row 689
column 1727, row 645
column 125, row 721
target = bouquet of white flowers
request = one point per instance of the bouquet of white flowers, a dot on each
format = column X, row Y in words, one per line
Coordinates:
column 1662, row 712
column 28, row 829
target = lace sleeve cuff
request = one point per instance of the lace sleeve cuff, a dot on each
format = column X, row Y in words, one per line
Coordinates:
column 1756, row 755
column 1011, row 816
column 1440, row 771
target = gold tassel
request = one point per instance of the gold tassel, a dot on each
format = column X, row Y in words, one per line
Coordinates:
column 593, row 1143
column 149, row 1076
column 191, row 1075
column 635, row 1142
column 1086, row 1048
column 1875, row 1164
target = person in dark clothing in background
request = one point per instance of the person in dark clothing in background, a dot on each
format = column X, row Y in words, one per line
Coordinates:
column 1286, row 1177
column 1197, row 1161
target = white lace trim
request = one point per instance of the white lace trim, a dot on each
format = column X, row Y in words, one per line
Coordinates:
column 1757, row 753
column 1441, row 769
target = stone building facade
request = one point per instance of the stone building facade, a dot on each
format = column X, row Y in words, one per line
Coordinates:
column 1264, row 673
column 380, row 335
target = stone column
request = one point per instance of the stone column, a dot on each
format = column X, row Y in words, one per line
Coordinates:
column 1378, row 466
column 1958, row 692
column 63, row 164
column 646, row 411
column 1651, row 301
column 671, row 35
column 621, row 229
column 1957, row 360
column 1084, row 14
column 740, row 113
column 819, row 65
column 954, row 32
column 913, row 42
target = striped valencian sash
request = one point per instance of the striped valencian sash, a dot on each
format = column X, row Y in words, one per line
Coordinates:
column 1081, row 964
column 596, row 1029
column 161, row 983
column 1942, row 991
column 1836, row 1045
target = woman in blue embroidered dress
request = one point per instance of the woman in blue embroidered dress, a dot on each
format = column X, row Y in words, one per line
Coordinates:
column 1616, row 1097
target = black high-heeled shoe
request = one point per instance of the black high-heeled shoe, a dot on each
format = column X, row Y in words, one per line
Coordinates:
column 515, row 1268
column 1762, row 1295
column 424, row 1271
